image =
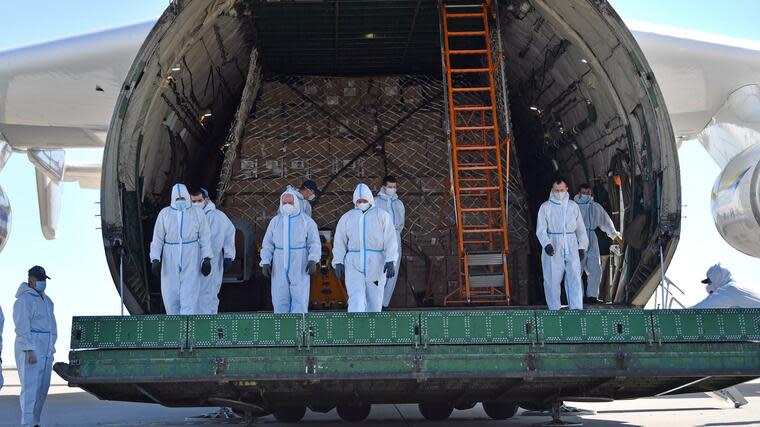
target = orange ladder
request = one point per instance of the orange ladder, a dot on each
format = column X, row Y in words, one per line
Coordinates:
column 478, row 173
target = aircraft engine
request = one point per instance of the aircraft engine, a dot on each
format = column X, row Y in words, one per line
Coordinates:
column 736, row 202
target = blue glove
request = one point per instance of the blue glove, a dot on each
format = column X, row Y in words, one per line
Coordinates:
column 339, row 270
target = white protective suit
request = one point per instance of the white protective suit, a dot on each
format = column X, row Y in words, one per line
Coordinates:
column 37, row 331
column 724, row 292
column 397, row 211
column 364, row 242
column 594, row 216
column 560, row 224
column 2, row 322
column 181, row 239
column 222, row 233
column 305, row 205
column 289, row 244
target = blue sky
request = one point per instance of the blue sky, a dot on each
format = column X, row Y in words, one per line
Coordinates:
column 81, row 282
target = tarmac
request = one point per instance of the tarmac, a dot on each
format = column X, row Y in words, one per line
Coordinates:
column 72, row 407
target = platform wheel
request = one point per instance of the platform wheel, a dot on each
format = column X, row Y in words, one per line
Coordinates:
column 500, row 410
column 289, row 414
column 353, row 412
column 437, row 411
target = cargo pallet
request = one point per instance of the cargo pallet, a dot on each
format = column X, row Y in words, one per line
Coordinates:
column 259, row 363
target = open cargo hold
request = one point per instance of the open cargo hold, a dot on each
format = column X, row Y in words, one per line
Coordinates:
column 346, row 92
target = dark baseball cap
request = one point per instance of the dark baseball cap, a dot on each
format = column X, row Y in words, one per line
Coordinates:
column 311, row 185
column 38, row 273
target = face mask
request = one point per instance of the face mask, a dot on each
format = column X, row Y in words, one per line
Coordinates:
column 181, row 204
column 558, row 195
column 199, row 204
column 390, row 191
column 41, row 285
column 287, row 210
column 363, row 206
column 311, row 197
column 585, row 198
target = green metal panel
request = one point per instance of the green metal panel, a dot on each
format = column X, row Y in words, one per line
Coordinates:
column 394, row 328
column 478, row 327
column 152, row 331
column 735, row 324
column 245, row 329
column 568, row 326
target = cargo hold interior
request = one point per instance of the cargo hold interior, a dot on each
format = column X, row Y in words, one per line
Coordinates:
column 343, row 92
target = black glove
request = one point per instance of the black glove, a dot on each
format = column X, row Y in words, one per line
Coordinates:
column 339, row 270
column 206, row 266
column 389, row 269
column 266, row 270
column 581, row 254
column 311, row 267
column 227, row 263
column 155, row 267
column 549, row 249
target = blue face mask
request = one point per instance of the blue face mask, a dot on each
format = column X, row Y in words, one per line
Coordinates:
column 181, row 204
column 585, row 198
column 40, row 286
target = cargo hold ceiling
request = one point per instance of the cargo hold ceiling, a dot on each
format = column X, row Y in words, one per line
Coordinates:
column 344, row 37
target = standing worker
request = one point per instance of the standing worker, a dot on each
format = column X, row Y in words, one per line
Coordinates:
column 307, row 193
column 724, row 292
column 387, row 200
column 560, row 229
column 365, row 249
column 594, row 216
column 222, row 247
column 181, row 239
column 289, row 255
column 36, row 334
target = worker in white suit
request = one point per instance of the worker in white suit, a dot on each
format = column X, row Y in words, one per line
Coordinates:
column 594, row 216
column 562, row 234
column 387, row 200
column 180, row 252
column 365, row 248
column 222, row 238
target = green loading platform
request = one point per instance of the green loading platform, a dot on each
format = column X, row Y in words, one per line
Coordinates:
column 528, row 357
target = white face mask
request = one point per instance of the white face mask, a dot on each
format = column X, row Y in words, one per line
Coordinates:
column 199, row 204
column 311, row 197
column 363, row 206
column 287, row 209
column 558, row 195
column 390, row 191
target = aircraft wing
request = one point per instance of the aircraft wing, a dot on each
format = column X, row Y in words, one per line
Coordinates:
column 60, row 95
column 711, row 86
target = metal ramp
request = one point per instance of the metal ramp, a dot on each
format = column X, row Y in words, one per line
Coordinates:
column 479, row 174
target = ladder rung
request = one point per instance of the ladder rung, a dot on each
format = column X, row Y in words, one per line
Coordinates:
column 472, row 179
column 486, row 281
column 477, row 168
column 475, row 242
column 480, row 209
column 474, row 108
column 470, row 89
column 465, row 33
column 475, row 147
column 493, row 188
column 465, row 15
column 469, row 70
column 485, row 259
column 482, row 230
column 468, row 52
column 466, row 128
